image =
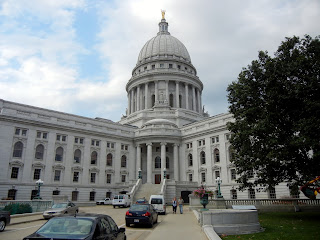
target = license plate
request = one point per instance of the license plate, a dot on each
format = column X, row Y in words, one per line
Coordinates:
column 136, row 220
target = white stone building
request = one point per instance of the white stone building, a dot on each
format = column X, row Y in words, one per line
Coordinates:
column 88, row 159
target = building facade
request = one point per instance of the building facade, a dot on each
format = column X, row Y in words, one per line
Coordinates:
column 165, row 133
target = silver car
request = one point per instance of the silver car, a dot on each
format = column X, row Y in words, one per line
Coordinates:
column 60, row 209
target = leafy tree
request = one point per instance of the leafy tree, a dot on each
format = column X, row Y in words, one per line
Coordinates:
column 276, row 106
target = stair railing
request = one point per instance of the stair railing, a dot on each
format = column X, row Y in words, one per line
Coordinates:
column 163, row 187
column 134, row 189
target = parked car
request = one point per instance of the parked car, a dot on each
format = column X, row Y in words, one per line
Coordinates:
column 4, row 219
column 81, row 226
column 60, row 209
column 141, row 214
column 141, row 200
column 104, row 201
column 121, row 200
column 157, row 201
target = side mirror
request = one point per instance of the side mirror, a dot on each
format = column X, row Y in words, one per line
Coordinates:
column 122, row 230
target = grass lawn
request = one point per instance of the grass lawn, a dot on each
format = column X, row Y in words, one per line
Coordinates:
column 285, row 226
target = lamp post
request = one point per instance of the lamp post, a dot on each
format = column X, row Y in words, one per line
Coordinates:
column 139, row 174
column 219, row 181
column 164, row 173
column 39, row 183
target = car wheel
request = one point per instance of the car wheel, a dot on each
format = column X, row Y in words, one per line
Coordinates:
column 151, row 223
column 114, row 206
column 127, row 224
column 2, row 225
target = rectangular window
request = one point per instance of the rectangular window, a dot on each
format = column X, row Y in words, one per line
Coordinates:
column 234, row 194
column 17, row 132
column 170, row 65
column 75, row 176
column 58, row 137
column 203, row 177
column 190, row 177
column 24, row 132
column 39, row 134
column 215, row 139
column 93, row 177
column 233, row 174
column 14, row 172
column 92, row 196
column 161, row 65
column 123, row 178
column 272, row 193
column 36, row 174
column 179, row 67
column 44, row 135
column 217, row 174
column 81, row 140
column 153, row 66
column 57, row 174
column 108, row 178
column 252, row 193
column 74, row 196
column 76, row 140
column 95, row 143
column 64, row 138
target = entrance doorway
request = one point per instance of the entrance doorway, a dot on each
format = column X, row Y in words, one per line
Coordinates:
column 157, row 178
column 185, row 196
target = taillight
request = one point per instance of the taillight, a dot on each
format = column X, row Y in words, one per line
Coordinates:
column 128, row 213
column 147, row 214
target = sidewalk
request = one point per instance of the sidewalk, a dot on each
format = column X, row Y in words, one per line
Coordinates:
column 178, row 226
column 27, row 217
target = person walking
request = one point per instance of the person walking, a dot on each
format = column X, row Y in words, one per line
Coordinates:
column 174, row 205
column 180, row 201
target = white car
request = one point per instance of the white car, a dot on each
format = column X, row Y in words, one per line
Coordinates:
column 157, row 201
column 105, row 201
column 121, row 200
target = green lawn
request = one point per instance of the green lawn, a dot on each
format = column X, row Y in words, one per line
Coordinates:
column 285, row 226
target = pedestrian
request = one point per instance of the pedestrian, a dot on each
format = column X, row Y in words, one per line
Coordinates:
column 180, row 201
column 174, row 205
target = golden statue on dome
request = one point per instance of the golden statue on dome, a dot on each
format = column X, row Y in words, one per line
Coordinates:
column 163, row 12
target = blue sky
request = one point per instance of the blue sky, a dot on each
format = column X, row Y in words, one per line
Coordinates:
column 76, row 56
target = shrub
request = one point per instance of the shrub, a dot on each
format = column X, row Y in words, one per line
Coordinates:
column 18, row 208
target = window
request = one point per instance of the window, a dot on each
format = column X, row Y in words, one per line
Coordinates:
column 78, row 140
column 233, row 174
column 75, row 176
column 77, row 156
column 108, row 178
column 294, row 191
column 153, row 66
column 233, row 194
column 17, row 150
column 203, row 157
column 217, row 174
column 21, row 132
column 14, row 172
column 109, row 159
column 215, row 139
column 145, row 68
column 203, row 177
column 171, row 100
column 57, row 174
column 94, row 157
column 124, row 147
column 216, row 154
column 252, row 193
column 123, row 161
column 17, row 132
column 189, row 145
column 61, row 138
column 55, row 192
column 36, row 174
column 42, row 135
column 74, row 196
column 93, row 177
column 167, row 163
column 39, row 152
column 110, row 145
column 179, row 67
column 190, row 177
column 12, row 194
column 34, row 193
column 92, row 196
column 161, row 65
column 59, row 154
column 95, row 143
column 190, row 161
column 123, row 178
column 170, row 65
column 157, row 162
column 185, row 68
column 108, row 194
column 272, row 193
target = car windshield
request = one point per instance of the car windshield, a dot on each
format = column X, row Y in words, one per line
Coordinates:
column 66, row 228
column 59, row 205
column 156, row 201
column 139, row 208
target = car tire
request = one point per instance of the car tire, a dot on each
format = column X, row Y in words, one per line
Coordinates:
column 127, row 224
column 114, row 206
column 2, row 225
column 151, row 224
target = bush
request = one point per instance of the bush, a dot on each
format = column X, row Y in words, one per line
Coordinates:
column 18, row 208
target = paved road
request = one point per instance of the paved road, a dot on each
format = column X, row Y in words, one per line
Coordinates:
column 169, row 226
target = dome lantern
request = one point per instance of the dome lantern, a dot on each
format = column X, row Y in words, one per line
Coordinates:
column 163, row 25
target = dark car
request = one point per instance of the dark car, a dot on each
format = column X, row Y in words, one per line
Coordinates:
column 141, row 200
column 141, row 214
column 4, row 219
column 81, row 226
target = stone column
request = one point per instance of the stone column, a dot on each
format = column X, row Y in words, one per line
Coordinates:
column 163, row 158
column 177, row 95
column 199, row 105
column 187, row 95
column 156, row 91
column 146, row 94
column 138, row 159
column 149, row 162
column 194, row 108
column 132, row 93
column 200, row 102
column 129, row 103
column 138, row 98
column 176, row 161
column 167, row 91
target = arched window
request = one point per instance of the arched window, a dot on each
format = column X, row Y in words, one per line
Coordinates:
column 77, row 156
column 157, row 162
column 171, row 100
column 109, row 159
column 124, row 161
column 190, row 160
column 17, row 149
column 216, row 155
column 39, row 152
column 167, row 163
column 203, row 157
column 59, row 154
column 94, row 157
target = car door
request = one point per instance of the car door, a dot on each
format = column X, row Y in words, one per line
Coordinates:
column 103, row 230
column 114, row 229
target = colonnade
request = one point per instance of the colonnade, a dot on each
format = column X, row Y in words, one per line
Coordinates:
column 163, row 160
column 137, row 100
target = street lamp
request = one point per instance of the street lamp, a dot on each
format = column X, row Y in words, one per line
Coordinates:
column 219, row 181
column 139, row 173
column 164, row 173
column 39, row 183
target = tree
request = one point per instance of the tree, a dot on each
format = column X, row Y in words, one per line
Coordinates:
column 276, row 107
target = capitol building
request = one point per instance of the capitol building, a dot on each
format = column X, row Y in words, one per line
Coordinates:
column 165, row 134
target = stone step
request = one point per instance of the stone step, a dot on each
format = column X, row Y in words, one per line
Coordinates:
column 146, row 190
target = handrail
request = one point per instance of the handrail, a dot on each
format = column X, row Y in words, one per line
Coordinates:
column 163, row 187
column 134, row 189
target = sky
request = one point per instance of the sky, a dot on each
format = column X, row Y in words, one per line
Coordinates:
column 76, row 56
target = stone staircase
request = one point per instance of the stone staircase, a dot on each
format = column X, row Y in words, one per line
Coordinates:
column 146, row 190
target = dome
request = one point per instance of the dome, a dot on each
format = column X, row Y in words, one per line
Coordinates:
column 164, row 45
column 160, row 122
